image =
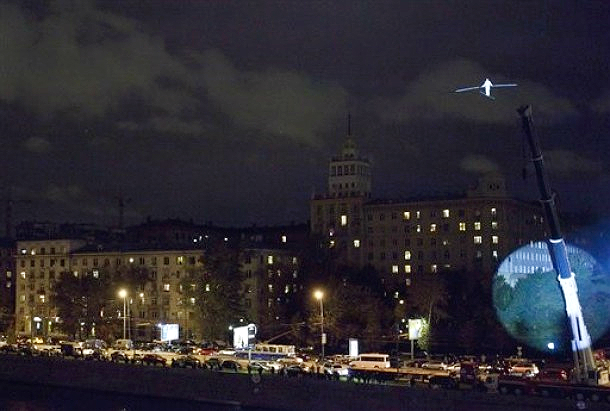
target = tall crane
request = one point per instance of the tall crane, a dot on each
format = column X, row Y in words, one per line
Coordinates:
column 584, row 364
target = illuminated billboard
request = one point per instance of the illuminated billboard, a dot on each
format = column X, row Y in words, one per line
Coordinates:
column 169, row 332
column 243, row 337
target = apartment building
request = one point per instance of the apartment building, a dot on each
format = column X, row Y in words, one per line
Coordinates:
column 404, row 239
column 39, row 265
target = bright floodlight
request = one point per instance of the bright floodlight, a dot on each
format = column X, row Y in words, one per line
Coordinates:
column 122, row 293
column 318, row 294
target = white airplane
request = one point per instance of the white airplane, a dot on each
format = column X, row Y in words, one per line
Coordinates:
column 485, row 88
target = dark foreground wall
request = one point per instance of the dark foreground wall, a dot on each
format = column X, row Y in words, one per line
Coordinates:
column 273, row 392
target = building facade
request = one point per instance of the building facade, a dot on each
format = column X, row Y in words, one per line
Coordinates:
column 7, row 283
column 404, row 239
column 40, row 264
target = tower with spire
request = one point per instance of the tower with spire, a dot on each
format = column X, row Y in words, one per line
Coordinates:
column 337, row 215
column 349, row 175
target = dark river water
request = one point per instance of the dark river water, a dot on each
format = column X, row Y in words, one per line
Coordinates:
column 23, row 397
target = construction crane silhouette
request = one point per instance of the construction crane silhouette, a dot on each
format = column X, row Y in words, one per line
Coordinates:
column 121, row 202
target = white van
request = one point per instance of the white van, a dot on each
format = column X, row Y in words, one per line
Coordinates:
column 372, row 360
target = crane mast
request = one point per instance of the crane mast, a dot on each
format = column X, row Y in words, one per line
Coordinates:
column 581, row 340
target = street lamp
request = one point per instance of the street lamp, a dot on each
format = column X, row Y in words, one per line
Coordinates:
column 319, row 295
column 123, row 295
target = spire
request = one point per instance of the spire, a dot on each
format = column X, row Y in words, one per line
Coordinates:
column 349, row 124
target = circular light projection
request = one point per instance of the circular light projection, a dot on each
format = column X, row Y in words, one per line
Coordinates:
column 529, row 302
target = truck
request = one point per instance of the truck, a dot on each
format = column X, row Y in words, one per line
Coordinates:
column 543, row 385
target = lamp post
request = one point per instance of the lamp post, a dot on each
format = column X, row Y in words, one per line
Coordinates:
column 319, row 295
column 123, row 295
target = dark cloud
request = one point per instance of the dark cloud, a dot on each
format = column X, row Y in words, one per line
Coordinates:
column 430, row 96
column 229, row 111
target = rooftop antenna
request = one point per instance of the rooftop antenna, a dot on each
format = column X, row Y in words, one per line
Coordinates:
column 349, row 124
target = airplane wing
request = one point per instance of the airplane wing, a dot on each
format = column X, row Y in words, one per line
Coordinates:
column 460, row 90
column 505, row 85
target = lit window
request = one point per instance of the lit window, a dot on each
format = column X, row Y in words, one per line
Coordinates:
column 462, row 226
column 493, row 211
column 356, row 243
column 406, row 215
column 407, row 255
column 270, row 287
column 33, row 252
column 286, row 289
column 432, row 228
column 446, row 213
column 96, row 274
column 207, row 287
column 494, row 239
column 166, row 287
column 395, row 269
column 494, row 253
column 478, row 239
column 408, row 268
column 22, row 274
column 180, row 260
column 433, row 268
column 477, row 225
column 417, row 214
column 494, row 225
column 269, row 259
column 418, row 228
column 343, row 220
column 284, row 239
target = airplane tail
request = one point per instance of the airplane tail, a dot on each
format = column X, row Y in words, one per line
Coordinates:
column 485, row 95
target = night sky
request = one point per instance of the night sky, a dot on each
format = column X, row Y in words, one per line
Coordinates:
column 228, row 111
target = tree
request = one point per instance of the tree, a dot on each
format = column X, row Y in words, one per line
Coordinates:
column 428, row 298
column 353, row 308
column 80, row 301
column 216, row 289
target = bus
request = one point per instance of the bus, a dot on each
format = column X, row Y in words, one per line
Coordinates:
column 267, row 352
column 371, row 360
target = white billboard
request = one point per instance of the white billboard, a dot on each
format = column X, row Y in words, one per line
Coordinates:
column 415, row 328
column 243, row 337
column 169, row 332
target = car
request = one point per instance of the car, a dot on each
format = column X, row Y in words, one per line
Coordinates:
column 153, row 359
column 416, row 363
column 97, row 354
column 9, row 349
column 213, row 363
column 293, row 370
column 336, row 369
column 119, row 356
column 259, row 366
column 523, row 369
column 442, row 381
column 231, row 365
column 552, row 374
column 186, row 361
column 435, row 365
